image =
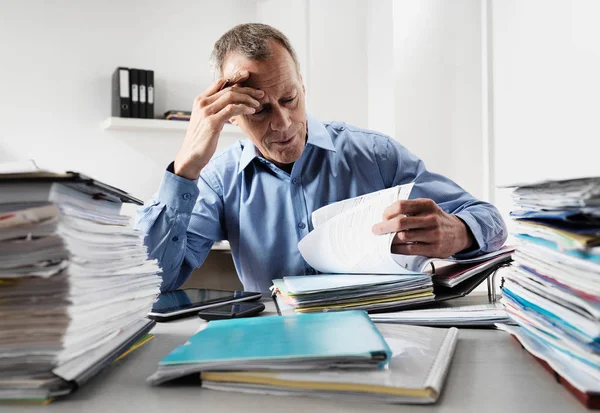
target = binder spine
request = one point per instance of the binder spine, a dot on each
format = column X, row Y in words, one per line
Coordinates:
column 150, row 94
column 135, row 100
column 142, row 89
column 121, row 101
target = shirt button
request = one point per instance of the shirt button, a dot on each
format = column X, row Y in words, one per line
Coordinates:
column 175, row 238
column 302, row 225
column 186, row 196
column 296, row 181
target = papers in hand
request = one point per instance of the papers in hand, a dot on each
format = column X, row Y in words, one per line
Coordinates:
column 342, row 240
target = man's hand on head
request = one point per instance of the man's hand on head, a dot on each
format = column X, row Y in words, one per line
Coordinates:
column 423, row 228
column 212, row 109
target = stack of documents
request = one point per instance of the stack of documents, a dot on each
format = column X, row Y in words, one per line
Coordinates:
column 421, row 358
column 297, row 342
column 75, row 283
column 471, row 315
column 334, row 292
column 553, row 290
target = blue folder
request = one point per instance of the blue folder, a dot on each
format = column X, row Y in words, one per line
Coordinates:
column 340, row 339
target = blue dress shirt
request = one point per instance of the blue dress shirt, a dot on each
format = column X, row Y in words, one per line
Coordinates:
column 263, row 211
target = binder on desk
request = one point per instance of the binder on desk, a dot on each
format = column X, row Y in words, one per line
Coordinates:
column 303, row 342
column 80, row 181
column 135, row 92
column 121, row 100
column 150, row 94
column 421, row 358
column 376, row 293
column 142, row 89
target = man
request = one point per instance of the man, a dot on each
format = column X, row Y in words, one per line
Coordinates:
column 260, row 193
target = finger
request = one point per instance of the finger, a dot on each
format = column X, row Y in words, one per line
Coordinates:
column 410, row 207
column 254, row 93
column 223, row 82
column 228, row 98
column 429, row 236
column 232, row 110
column 402, row 222
column 427, row 250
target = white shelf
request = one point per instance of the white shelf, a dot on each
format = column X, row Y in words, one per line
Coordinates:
column 134, row 124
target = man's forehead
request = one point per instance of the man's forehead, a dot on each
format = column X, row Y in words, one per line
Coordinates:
column 274, row 71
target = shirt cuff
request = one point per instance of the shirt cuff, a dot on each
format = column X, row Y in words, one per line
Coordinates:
column 177, row 192
column 478, row 241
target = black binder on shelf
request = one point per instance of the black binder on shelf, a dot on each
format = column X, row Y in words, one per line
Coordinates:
column 150, row 94
column 142, row 89
column 135, row 100
column 121, row 101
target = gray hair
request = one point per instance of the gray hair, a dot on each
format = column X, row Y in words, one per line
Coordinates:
column 251, row 40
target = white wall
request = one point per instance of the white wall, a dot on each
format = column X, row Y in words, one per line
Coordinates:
column 338, row 60
column 55, row 79
column 437, row 61
column 381, row 77
column 546, row 89
column 277, row 14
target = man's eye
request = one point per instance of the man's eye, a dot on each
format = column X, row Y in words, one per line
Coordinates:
column 259, row 111
column 289, row 100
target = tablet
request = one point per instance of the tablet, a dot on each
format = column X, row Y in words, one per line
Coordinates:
column 189, row 301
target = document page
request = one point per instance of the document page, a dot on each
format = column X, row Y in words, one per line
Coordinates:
column 346, row 244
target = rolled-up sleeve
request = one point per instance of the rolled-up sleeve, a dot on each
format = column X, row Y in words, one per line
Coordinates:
column 180, row 225
column 399, row 166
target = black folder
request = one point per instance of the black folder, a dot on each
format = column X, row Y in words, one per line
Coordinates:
column 76, row 180
column 135, row 93
column 121, row 101
column 142, row 88
column 150, row 94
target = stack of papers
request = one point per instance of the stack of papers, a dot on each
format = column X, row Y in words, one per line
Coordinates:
column 76, row 285
column 297, row 342
column 421, row 358
column 334, row 292
column 471, row 315
column 553, row 290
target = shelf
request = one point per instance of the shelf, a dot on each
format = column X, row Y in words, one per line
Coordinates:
column 134, row 124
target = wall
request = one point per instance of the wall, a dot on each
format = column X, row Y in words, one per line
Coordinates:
column 546, row 62
column 381, row 77
column 56, row 68
column 437, row 86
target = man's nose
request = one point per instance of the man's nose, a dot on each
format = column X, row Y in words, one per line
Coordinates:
column 280, row 119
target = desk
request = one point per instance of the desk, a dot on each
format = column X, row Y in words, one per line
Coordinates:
column 490, row 372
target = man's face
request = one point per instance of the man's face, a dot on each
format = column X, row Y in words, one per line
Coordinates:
column 278, row 127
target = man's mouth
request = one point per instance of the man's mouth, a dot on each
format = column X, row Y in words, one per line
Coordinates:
column 282, row 143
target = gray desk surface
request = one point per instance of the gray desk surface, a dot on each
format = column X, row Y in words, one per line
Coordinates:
column 490, row 372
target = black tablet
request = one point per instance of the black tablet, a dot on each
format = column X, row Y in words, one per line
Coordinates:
column 189, row 301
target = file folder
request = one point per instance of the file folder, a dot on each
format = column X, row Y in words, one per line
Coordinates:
column 142, row 89
column 150, row 94
column 121, row 100
column 301, row 342
column 135, row 93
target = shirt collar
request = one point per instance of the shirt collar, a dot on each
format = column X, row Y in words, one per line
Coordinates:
column 317, row 136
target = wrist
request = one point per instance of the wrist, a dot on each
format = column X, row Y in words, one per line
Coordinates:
column 187, row 169
column 467, row 239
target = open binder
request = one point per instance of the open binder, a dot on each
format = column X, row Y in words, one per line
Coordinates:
column 81, row 182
